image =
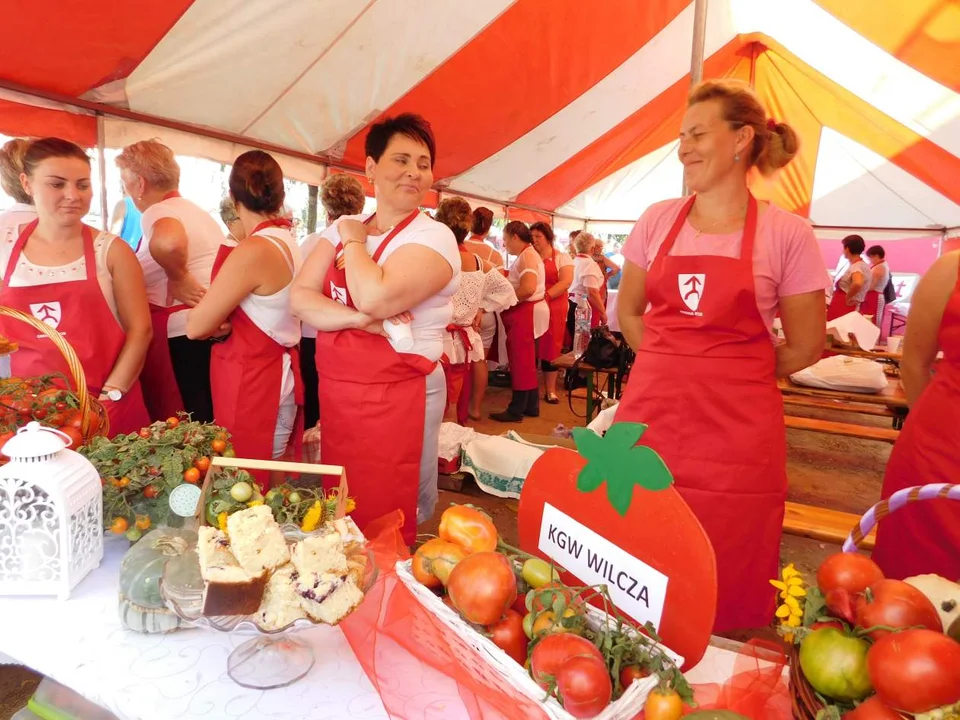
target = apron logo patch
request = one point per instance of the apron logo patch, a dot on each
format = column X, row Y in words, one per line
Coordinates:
column 691, row 289
column 338, row 293
column 48, row 312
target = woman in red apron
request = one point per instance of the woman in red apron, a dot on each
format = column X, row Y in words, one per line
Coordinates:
column 558, row 274
column 380, row 406
column 853, row 285
column 875, row 303
column 924, row 537
column 588, row 281
column 255, row 371
column 704, row 379
column 109, row 334
column 524, row 323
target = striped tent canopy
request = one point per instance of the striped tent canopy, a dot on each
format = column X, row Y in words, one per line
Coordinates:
column 558, row 108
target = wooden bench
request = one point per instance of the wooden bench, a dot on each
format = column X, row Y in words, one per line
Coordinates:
column 831, row 526
column 803, row 401
column 862, row 432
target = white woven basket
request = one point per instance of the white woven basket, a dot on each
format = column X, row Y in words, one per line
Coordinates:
column 625, row 708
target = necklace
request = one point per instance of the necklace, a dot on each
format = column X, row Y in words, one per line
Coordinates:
column 701, row 229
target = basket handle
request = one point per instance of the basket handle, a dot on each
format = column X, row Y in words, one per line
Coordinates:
column 895, row 502
column 73, row 362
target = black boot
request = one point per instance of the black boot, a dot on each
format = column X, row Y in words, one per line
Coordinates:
column 514, row 411
column 532, row 406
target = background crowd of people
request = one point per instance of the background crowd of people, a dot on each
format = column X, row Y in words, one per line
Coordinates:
column 382, row 324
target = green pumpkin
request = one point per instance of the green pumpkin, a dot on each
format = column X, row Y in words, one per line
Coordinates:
column 141, row 606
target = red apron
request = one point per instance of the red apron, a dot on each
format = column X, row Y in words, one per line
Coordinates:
column 81, row 314
column 924, row 537
column 595, row 317
column 521, row 345
column 246, row 374
column 160, row 390
column 704, row 381
column 372, row 410
column 838, row 304
column 550, row 344
column 455, row 374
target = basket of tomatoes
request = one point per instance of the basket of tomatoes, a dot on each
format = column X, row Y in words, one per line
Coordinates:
column 864, row 646
column 139, row 471
column 545, row 639
column 48, row 398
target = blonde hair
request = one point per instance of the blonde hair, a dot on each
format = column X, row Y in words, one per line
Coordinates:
column 457, row 215
column 228, row 210
column 153, row 161
column 341, row 194
column 775, row 144
column 11, row 167
column 584, row 242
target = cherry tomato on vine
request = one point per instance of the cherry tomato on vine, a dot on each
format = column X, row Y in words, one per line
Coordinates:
column 146, row 433
column 172, row 422
column 202, row 463
column 151, row 491
column 119, row 526
column 143, row 522
column 218, row 445
column 191, row 475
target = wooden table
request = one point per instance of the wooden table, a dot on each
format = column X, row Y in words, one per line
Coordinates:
column 567, row 360
column 881, row 355
column 891, row 396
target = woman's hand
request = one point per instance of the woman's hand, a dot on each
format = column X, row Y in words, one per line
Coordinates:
column 352, row 231
column 187, row 290
column 375, row 327
column 477, row 320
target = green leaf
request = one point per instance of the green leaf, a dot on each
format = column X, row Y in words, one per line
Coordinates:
column 590, row 445
column 623, row 435
column 590, row 478
column 620, row 494
column 651, row 471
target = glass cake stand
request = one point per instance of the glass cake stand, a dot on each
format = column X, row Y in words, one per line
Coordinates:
column 272, row 658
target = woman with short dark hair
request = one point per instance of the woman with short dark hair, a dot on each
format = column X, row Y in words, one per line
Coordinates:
column 852, row 286
column 880, row 276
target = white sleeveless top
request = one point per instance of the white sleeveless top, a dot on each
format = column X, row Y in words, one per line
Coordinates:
column 529, row 261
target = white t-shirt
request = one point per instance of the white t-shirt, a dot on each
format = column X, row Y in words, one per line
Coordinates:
column 204, row 239
column 15, row 217
column 529, row 261
column 306, row 247
column 27, row 274
column 431, row 317
column 880, row 276
column 586, row 275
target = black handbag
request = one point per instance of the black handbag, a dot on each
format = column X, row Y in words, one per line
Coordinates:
column 889, row 292
column 605, row 351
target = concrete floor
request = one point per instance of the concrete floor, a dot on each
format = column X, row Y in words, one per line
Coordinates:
column 839, row 473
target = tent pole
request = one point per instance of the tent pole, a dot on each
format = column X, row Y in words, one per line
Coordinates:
column 102, row 167
column 697, row 49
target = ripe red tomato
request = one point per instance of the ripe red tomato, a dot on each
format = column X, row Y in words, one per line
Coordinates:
column 434, row 560
column 842, row 577
column 553, row 650
column 76, row 439
column 584, row 686
column 151, row 491
column 218, row 445
column 663, row 705
column 896, row 604
column 202, row 463
column 482, row 586
column 915, row 670
column 172, row 422
column 872, row 709
column 507, row 634
column 191, row 475
column 468, row 528
column 146, row 433
column 630, row 674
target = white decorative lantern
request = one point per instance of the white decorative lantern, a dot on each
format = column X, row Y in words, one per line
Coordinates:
column 51, row 515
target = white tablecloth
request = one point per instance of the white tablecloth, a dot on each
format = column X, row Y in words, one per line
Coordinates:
column 182, row 675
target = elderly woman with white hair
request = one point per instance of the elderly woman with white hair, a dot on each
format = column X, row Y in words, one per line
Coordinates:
column 180, row 243
column 587, row 281
column 230, row 218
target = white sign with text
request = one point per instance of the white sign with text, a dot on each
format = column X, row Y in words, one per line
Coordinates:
column 637, row 589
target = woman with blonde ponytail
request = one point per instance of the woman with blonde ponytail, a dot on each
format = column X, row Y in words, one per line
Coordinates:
column 704, row 276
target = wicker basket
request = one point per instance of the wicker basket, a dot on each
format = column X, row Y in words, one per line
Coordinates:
column 804, row 698
column 87, row 403
column 507, row 670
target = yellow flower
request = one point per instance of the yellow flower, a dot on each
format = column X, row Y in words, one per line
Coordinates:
column 254, row 503
column 312, row 517
column 222, row 522
column 351, row 505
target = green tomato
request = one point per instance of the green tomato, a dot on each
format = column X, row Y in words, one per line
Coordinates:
column 835, row 664
column 241, row 492
column 294, row 497
column 537, row 573
column 528, row 625
column 230, row 452
column 211, row 513
column 133, row 534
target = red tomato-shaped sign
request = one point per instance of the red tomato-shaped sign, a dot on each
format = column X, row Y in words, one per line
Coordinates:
column 609, row 515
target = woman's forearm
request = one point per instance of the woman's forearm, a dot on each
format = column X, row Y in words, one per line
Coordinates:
column 915, row 378
column 792, row 358
column 317, row 310
column 631, row 327
column 129, row 362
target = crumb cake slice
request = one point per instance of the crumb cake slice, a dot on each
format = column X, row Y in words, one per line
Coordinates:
column 281, row 603
column 256, row 539
column 228, row 588
column 320, row 553
column 327, row 597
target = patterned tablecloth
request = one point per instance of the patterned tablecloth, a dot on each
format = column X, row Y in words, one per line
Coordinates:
column 182, row 675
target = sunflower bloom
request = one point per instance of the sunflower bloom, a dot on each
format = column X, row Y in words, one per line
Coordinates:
column 792, row 594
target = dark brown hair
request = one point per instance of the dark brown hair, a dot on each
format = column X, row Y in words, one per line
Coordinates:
column 408, row 125
column 855, row 244
column 518, row 229
column 256, row 182
column 543, row 228
column 455, row 213
column 482, row 220
column 876, row 251
column 51, row 147
column 775, row 144
column 11, row 166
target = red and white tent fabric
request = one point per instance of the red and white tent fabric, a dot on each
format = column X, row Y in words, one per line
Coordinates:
column 562, row 108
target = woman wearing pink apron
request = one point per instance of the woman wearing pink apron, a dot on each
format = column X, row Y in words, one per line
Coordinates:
column 88, row 287
column 382, row 399
column 255, row 371
column 924, row 537
column 558, row 274
column 524, row 323
column 697, row 301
